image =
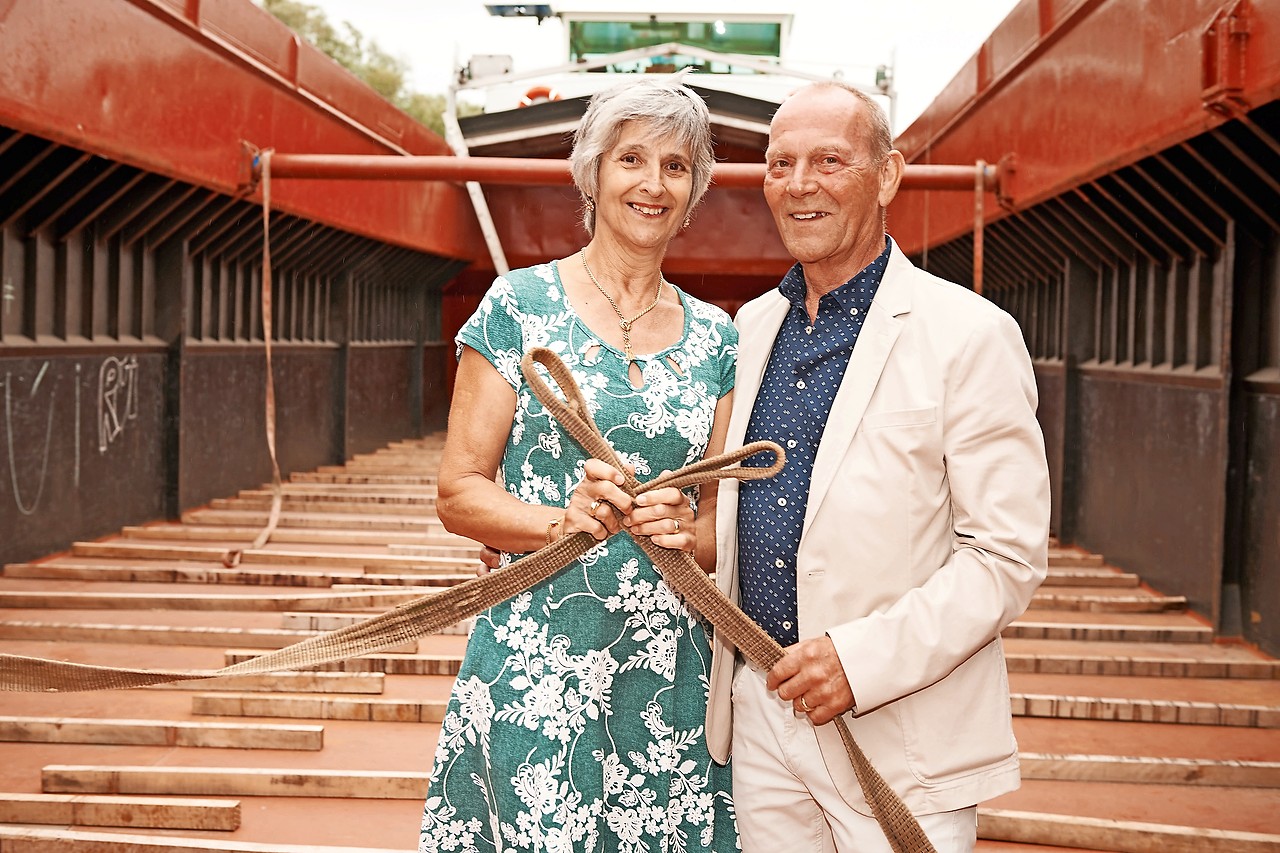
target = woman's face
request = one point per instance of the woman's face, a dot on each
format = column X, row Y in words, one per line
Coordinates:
column 645, row 185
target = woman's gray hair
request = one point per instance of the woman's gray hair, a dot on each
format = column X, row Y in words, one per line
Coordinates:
column 667, row 105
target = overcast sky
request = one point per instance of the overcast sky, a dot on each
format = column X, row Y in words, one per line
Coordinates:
column 926, row 41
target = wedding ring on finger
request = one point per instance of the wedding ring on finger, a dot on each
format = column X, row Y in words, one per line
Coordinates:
column 595, row 505
column 804, row 705
column 677, row 530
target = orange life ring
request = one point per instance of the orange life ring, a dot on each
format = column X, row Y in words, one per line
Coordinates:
column 539, row 94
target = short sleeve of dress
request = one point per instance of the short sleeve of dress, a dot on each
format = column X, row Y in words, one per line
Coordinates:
column 494, row 330
column 729, row 361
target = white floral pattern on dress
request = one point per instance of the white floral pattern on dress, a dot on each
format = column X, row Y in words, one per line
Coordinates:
column 576, row 721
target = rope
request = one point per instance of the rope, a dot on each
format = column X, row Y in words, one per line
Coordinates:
column 431, row 613
column 231, row 559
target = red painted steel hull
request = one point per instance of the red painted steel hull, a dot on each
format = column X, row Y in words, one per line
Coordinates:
column 174, row 87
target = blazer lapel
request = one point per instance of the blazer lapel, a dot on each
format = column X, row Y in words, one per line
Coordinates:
column 866, row 363
column 755, row 344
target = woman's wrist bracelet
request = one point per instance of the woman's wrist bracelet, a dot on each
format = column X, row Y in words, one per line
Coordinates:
column 552, row 525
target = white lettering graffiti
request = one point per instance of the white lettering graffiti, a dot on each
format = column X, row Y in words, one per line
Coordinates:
column 117, row 398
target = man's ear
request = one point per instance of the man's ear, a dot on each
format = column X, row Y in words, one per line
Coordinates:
column 891, row 176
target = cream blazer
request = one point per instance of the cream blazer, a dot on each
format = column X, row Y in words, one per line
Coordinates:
column 926, row 533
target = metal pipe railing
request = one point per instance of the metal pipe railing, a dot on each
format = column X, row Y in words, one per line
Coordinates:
column 542, row 172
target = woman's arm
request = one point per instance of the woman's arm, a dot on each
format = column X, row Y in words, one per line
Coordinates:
column 472, row 504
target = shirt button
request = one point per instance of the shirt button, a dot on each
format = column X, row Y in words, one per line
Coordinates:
column 853, row 311
column 801, row 385
column 782, row 501
column 808, row 330
column 791, row 442
column 787, row 624
column 779, row 564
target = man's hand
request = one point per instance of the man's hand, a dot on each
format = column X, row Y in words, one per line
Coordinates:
column 811, row 678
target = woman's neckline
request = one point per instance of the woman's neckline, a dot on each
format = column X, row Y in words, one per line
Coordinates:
column 636, row 356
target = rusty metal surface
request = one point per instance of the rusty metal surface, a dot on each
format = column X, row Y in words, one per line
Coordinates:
column 82, row 447
column 174, row 87
column 1073, row 90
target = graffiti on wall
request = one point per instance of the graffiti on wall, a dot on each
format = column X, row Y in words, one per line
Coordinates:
column 117, row 398
column 9, row 404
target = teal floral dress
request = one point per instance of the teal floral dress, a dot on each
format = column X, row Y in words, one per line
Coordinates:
column 576, row 721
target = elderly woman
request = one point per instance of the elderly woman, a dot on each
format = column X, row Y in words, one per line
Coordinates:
column 576, row 721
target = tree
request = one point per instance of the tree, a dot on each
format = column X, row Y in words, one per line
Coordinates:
column 347, row 46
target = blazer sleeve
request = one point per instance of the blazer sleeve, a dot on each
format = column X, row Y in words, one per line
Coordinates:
column 994, row 459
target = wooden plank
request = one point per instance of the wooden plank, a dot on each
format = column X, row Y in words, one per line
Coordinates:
column 334, row 621
column 258, row 638
column 389, row 662
column 371, row 494
column 141, row 812
column 1090, row 577
column 1151, row 771
column 1029, row 629
column 369, row 683
column 1075, row 559
column 317, row 708
column 1108, row 604
column 1145, row 711
column 296, row 504
column 266, row 556
column 351, row 477
column 1152, row 667
column 68, row 569
column 311, row 536
column 273, row 602
column 160, row 733
column 346, row 521
column 15, row 839
column 233, row 781
column 1115, row 835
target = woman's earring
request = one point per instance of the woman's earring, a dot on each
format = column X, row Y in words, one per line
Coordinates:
column 688, row 220
column 589, row 204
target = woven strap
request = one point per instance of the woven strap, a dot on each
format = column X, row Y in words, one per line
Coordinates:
column 431, row 613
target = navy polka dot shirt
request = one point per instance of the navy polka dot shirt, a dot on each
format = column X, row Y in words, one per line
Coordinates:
column 799, row 385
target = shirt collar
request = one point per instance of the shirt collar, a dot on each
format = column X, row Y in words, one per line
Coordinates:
column 793, row 288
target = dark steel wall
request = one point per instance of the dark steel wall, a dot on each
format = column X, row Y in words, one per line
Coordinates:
column 132, row 353
column 384, row 396
column 1150, row 480
column 1150, row 301
column 83, row 446
column 221, row 426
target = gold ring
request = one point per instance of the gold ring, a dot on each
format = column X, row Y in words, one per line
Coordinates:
column 804, row 706
column 677, row 530
column 595, row 505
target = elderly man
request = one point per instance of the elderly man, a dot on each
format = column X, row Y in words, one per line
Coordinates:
column 909, row 527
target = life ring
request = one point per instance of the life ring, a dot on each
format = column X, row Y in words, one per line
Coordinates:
column 539, row 94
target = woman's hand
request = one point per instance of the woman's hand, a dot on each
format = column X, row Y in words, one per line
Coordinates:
column 666, row 516
column 598, row 505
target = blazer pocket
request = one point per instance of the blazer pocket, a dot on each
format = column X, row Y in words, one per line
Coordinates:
column 902, row 417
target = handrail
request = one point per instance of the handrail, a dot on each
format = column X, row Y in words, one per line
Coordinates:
column 532, row 171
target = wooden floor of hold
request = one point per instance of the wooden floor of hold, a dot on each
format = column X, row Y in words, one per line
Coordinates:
column 1138, row 732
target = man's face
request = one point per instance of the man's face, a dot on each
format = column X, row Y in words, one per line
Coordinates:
column 821, row 182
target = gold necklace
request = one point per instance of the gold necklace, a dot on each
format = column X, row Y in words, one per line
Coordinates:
column 623, row 322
